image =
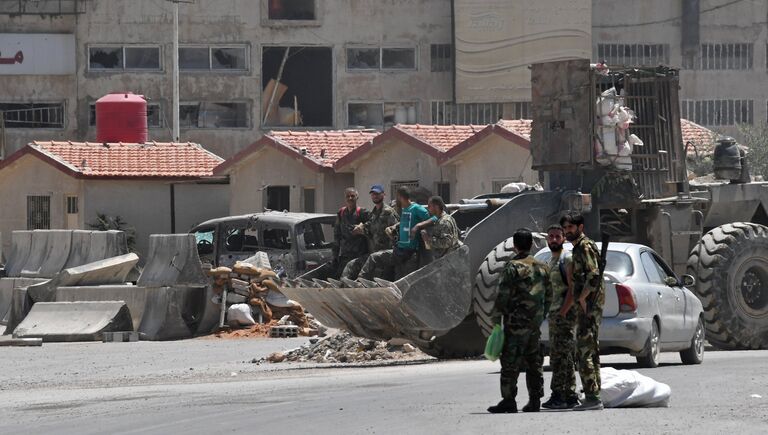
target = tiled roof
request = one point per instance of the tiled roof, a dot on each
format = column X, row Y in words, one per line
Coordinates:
column 324, row 147
column 701, row 137
column 128, row 160
column 519, row 126
column 441, row 137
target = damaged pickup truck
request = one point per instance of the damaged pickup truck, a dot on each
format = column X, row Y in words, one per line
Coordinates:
column 294, row 242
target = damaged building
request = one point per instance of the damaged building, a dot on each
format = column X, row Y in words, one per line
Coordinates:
column 248, row 67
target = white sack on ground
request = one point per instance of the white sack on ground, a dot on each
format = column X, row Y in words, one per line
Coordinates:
column 628, row 388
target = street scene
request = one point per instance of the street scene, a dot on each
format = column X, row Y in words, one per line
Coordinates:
column 367, row 216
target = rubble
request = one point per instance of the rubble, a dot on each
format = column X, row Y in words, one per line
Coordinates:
column 346, row 348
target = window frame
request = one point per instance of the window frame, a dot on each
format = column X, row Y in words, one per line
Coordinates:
column 158, row 104
column 268, row 22
column 381, row 49
column 211, row 70
column 248, row 111
column 49, row 202
column 124, row 68
column 436, row 49
column 383, row 124
column 52, row 104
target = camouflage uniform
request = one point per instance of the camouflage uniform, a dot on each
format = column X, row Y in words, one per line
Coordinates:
column 524, row 297
column 562, row 340
column 445, row 236
column 379, row 263
column 350, row 250
column 586, row 278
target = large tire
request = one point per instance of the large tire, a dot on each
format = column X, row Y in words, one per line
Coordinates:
column 463, row 341
column 487, row 280
column 730, row 264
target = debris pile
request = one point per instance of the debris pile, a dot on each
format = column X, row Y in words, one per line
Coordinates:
column 346, row 348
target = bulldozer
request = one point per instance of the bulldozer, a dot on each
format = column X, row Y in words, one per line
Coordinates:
column 716, row 232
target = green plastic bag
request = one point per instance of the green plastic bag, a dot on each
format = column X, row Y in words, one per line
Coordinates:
column 495, row 343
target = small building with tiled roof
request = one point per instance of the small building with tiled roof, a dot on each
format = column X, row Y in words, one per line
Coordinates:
column 154, row 187
column 292, row 170
column 697, row 140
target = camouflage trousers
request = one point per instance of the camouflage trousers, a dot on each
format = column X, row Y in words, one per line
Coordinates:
column 521, row 352
column 350, row 267
column 562, row 353
column 588, row 351
column 379, row 265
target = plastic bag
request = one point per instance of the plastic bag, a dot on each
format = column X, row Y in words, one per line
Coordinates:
column 240, row 315
column 495, row 343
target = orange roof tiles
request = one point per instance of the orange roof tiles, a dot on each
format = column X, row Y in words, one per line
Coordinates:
column 520, row 126
column 323, row 147
column 702, row 138
column 128, row 160
column 441, row 137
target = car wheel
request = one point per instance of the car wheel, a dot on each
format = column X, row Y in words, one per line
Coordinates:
column 695, row 353
column 650, row 356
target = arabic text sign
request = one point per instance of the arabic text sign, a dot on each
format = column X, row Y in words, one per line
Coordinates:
column 37, row 54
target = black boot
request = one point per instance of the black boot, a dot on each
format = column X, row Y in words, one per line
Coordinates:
column 504, row 407
column 553, row 399
column 533, row 405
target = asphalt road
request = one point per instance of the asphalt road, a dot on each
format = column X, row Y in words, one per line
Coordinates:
column 207, row 387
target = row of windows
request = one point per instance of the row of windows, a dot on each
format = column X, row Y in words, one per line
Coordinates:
column 739, row 56
column 718, row 112
column 116, row 58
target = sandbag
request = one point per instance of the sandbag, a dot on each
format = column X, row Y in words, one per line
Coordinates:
column 240, row 315
column 628, row 388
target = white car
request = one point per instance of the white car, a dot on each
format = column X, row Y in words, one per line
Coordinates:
column 647, row 308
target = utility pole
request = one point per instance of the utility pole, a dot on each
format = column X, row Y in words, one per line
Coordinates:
column 175, row 72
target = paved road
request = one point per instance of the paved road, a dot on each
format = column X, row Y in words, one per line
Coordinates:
column 189, row 387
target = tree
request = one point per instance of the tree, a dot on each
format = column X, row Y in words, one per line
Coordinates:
column 755, row 138
column 106, row 223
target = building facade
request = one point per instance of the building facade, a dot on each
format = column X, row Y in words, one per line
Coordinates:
column 251, row 66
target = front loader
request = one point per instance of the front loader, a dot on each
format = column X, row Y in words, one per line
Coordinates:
column 716, row 232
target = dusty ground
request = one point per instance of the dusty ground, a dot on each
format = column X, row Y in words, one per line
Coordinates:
column 208, row 386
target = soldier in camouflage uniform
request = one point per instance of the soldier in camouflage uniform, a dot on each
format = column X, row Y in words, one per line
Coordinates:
column 350, row 250
column 562, row 326
column 444, row 234
column 589, row 290
column 524, row 297
column 379, row 263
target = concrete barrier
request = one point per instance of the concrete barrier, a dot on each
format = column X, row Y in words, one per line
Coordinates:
column 74, row 321
column 109, row 271
column 172, row 313
column 49, row 253
column 21, row 245
column 172, row 261
column 20, row 306
column 135, row 297
column 6, row 294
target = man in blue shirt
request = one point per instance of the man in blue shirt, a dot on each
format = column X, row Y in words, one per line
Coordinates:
column 411, row 214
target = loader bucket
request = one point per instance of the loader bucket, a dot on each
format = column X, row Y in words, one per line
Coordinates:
column 431, row 300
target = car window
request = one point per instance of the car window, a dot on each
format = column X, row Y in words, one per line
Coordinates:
column 277, row 238
column 317, row 235
column 618, row 263
column 241, row 240
column 664, row 270
column 652, row 270
column 204, row 241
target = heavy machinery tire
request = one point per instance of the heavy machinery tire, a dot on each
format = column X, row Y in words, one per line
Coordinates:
column 487, row 279
column 730, row 264
column 463, row 341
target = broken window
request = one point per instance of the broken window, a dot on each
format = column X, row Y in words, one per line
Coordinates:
column 441, row 57
column 363, row 58
column 299, row 93
column 380, row 115
column 292, row 10
column 398, row 58
column 231, row 58
column 105, row 58
column 119, row 58
column 154, row 115
column 278, row 198
column 214, row 115
column 38, row 212
column 32, row 115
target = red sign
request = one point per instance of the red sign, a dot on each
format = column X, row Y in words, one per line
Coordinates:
column 19, row 58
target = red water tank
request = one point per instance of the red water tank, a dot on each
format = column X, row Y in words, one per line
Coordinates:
column 121, row 118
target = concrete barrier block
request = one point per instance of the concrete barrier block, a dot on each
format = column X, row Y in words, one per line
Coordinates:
column 74, row 321
column 172, row 313
column 134, row 297
column 21, row 244
column 172, row 260
column 6, row 294
column 20, row 306
column 49, row 253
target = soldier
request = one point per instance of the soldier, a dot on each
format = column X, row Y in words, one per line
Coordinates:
column 350, row 249
column 379, row 263
column 589, row 289
column 444, row 236
column 524, row 296
column 562, row 327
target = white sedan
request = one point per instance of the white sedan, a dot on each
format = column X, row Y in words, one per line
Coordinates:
column 647, row 308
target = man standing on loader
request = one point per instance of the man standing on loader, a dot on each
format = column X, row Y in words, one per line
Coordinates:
column 524, row 297
column 444, row 236
column 589, row 289
column 562, row 328
column 350, row 250
column 381, row 217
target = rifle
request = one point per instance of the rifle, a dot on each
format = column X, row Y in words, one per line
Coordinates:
column 605, row 240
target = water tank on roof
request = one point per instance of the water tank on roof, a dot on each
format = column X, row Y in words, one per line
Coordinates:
column 121, row 117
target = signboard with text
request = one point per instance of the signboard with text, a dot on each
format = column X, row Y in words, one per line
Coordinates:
column 37, row 54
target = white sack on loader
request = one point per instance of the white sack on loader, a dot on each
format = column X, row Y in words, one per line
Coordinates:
column 628, row 388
